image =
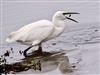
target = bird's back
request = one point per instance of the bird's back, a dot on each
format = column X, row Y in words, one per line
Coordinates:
column 39, row 30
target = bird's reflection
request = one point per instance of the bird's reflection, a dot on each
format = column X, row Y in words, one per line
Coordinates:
column 57, row 60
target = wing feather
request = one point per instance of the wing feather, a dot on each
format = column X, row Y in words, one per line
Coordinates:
column 39, row 30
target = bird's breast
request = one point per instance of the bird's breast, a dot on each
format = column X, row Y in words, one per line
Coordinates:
column 55, row 33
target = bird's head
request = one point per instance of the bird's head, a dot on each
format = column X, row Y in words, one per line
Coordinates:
column 63, row 15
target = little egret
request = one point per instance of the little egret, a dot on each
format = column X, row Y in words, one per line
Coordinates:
column 36, row 33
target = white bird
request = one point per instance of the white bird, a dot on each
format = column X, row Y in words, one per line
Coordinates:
column 36, row 33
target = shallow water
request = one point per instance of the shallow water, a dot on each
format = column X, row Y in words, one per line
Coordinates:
column 79, row 40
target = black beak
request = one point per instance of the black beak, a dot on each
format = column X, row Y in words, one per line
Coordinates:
column 72, row 19
column 70, row 13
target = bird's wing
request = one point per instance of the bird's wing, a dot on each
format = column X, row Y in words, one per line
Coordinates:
column 39, row 30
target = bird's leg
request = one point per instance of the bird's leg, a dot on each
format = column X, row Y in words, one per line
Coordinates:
column 40, row 49
column 25, row 51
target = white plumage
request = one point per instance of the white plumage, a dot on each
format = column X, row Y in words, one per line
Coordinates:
column 40, row 31
column 33, row 33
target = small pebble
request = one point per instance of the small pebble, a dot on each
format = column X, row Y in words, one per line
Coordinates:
column 73, row 66
column 95, row 30
column 53, row 43
column 7, row 53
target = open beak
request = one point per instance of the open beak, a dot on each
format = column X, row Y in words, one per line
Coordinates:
column 72, row 19
column 70, row 13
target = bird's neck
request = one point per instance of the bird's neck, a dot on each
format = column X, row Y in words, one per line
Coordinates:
column 59, row 23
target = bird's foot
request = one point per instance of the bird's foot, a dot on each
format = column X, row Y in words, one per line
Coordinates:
column 39, row 52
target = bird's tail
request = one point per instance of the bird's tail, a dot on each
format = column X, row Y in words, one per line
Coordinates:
column 11, row 37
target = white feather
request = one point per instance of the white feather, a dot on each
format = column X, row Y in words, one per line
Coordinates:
column 40, row 31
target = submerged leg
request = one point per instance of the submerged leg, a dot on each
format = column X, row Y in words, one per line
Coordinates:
column 25, row 51
column 40, row 49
